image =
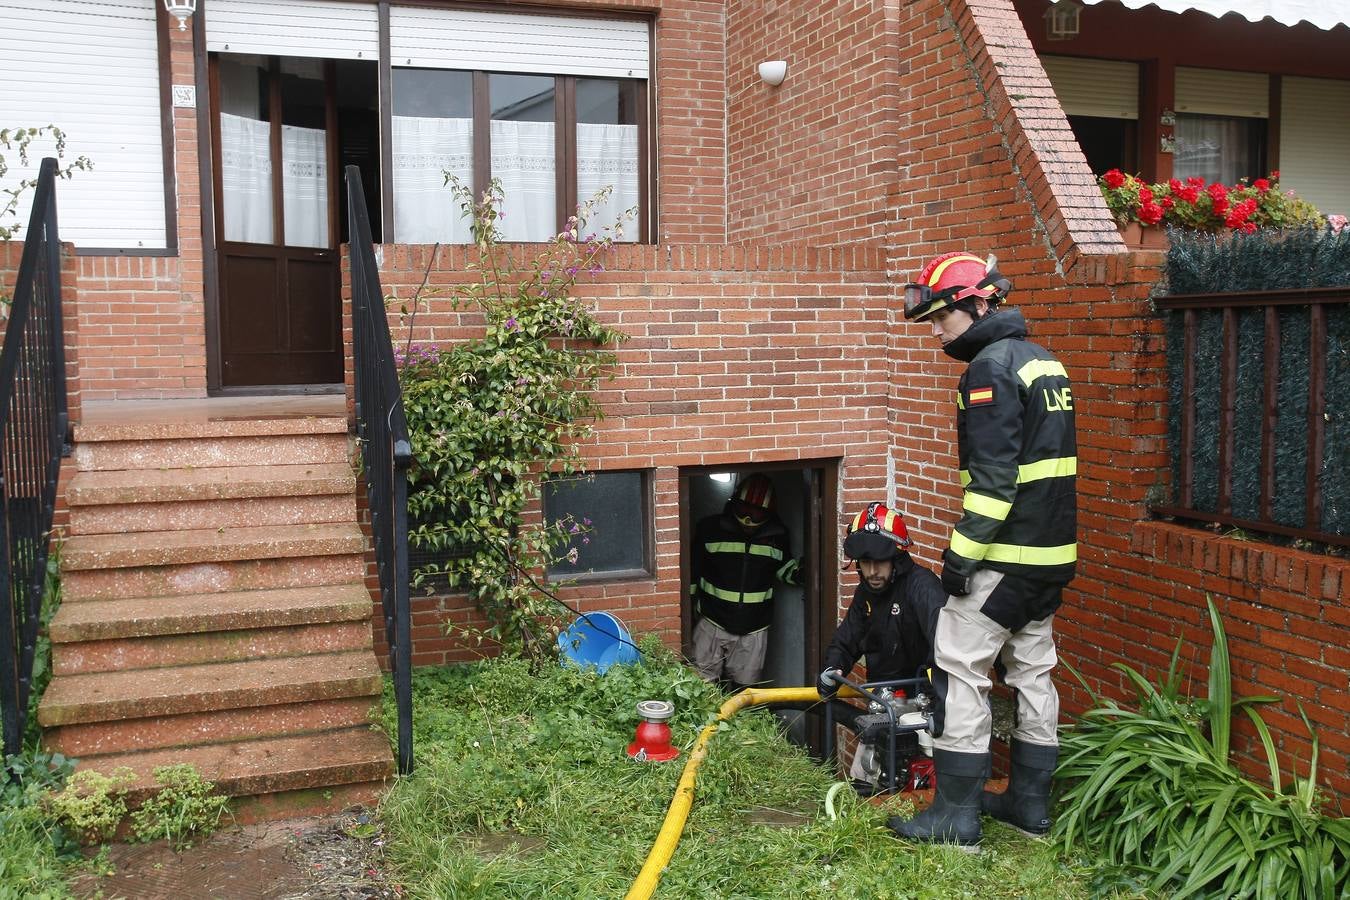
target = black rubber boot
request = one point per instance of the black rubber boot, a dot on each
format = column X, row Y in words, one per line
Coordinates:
column 954, row 815
column 1026, row 804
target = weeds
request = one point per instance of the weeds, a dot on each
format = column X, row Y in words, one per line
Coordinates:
column 534, row 767
column 184, row 808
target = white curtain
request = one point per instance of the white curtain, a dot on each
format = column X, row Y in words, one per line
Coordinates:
column 1213, row 147
column 246, row 178
column 425, row 149
column 607, row 156
column 304, row 186
column 523, row 159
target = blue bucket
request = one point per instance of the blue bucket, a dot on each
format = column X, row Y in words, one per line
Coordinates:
column 597, row 640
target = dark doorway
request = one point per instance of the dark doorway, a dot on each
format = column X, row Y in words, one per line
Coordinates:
column 1107, row 143
column 282, row 129
column 805, row 616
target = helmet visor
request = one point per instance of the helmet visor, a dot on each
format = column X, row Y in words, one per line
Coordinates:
column 921, row 300
column 749, row 514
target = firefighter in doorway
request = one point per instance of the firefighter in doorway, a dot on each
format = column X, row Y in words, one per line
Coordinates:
column 737, row 556
column 894, row 610
column 1011, row 553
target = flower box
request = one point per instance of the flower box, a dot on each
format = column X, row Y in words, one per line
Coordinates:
column 1143, row 237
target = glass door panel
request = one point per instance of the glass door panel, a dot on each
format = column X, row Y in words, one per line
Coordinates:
column 304, row 153
column 246, row 150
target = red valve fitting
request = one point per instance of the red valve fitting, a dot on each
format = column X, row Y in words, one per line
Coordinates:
column 652, row 741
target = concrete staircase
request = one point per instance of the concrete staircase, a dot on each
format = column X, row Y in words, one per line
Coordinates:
column 214, row 609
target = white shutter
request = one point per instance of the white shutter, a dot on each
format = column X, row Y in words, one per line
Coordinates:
column 1094, row 87
column 516, row 42
column 91, row 68
column 1314, row 135
column 314, row 28
column 1216, row 92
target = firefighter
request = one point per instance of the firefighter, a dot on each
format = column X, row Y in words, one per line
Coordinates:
column 1010, row 555
column 894, row 610
column 737, row 556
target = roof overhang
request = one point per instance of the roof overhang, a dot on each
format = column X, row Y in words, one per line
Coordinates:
column 1320, row 13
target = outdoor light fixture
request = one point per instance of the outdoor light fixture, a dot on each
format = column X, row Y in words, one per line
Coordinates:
column 181, row 10
column 1061, row 20
column 724, row 477
column 773, row 72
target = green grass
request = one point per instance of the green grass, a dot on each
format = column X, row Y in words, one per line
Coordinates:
column 536, row 765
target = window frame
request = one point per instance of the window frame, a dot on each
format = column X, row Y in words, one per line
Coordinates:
column 648, row 570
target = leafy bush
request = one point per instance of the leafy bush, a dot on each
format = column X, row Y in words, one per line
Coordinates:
column 92, row 804
column 1153, row 790
column 1245, row 206
column 489, row 415
column 34, row 849
column 20, row 141
column 185, row 807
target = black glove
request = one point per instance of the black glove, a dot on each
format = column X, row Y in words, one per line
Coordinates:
column 955, row 583
column 826, row 686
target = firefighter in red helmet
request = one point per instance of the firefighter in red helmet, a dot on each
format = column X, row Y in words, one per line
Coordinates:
column 737, row 557
column 894, row 610
column 1010, row 555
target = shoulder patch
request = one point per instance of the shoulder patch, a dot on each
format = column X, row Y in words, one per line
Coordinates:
column 980, row 396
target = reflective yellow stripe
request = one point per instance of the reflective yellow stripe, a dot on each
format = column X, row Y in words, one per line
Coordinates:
column 738, row 547
column 788, row 570
column 1047, row 468
column 960, row 401
column 1039, row 368
column 1062, row 555
column 986, row 506
column 1013, row 553
column 965, row 477
column 713, row 590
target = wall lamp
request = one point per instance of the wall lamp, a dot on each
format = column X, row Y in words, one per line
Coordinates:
column 181, row 10
column 1061, row 20
column 772, row 72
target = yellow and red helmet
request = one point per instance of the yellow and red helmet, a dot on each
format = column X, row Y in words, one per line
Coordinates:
column 876, row 533
column 753, row 501
column 953, row 277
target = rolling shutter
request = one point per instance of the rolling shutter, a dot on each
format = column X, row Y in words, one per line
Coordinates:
column 1314, row 132
column 92, row 69
column 514, row 42
column 1215, row 92
column 312, row 28
column 1106, row 88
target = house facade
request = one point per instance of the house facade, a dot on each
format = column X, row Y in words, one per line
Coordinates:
column 759, row 282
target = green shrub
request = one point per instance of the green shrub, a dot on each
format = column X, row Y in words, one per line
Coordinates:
column 184, row 808
column 91, row 803
column 34, row 849
column 1153, row 790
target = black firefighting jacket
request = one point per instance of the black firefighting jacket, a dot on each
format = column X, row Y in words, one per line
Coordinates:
column 733, row 574
column 893, row 627
column 1018, row 454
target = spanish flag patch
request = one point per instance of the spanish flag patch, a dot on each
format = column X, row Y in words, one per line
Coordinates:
column 980, row 396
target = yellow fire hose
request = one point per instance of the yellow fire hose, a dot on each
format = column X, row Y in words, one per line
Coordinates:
column 669, row 837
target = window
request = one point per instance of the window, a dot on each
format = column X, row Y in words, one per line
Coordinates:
column 617, row 541
column 554, row 142
column 553, row 106
column 1219, row 148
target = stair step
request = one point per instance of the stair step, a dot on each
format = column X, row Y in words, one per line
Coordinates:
column 121, row 518
column 213, row 483
column 164, row 548
column 140, row 693
column 266, row 766
column 98, row 620
column 211, row 451
column 78, row 586
column 190, row 729
column 141, row 425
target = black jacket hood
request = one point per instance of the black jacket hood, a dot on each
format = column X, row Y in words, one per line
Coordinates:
column 994, row 326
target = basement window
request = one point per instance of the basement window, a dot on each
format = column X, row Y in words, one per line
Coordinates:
column 612, row 515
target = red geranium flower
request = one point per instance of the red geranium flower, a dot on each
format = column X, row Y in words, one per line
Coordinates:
column 1114, row 179
column 1261, row 185
column 1150, row 213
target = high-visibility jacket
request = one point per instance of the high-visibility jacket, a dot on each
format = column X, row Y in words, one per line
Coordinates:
column 894, row 627
column 733, row 573
column 1018, row 455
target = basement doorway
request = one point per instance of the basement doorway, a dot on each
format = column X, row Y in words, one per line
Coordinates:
column 805, row 616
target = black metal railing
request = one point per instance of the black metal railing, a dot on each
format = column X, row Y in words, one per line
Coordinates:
column 33, row 423
column 386, row 453
column 1256, row 442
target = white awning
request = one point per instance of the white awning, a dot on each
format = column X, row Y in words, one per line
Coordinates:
column 1325, row 14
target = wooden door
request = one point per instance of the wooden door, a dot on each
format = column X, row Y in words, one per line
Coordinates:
column 274, row 144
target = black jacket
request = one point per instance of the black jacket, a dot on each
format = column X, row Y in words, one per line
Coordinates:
column 733, row 574
column 1019, row 457
column 894, row 628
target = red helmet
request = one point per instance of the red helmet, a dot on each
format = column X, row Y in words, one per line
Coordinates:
column 876, row 533
column 950, row 278
column 753, row 501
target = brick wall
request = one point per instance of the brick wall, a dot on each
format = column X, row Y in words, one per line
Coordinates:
column 812, row 159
